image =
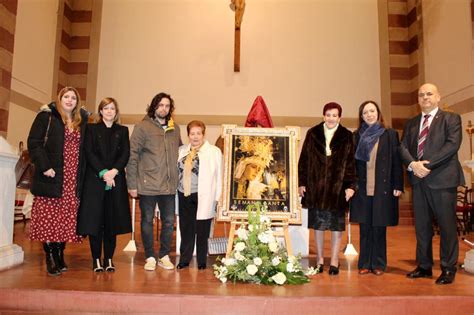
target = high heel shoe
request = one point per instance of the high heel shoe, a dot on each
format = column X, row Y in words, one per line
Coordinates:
column 319, row 268
column 182, row 265
column 333, row 270
column 96, row 267
column 109, row 265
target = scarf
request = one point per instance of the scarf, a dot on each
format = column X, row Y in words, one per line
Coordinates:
column 328, row 134
column 188, row 168
column 369, row 135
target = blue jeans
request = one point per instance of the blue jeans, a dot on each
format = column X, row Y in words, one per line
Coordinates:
column 166, row 204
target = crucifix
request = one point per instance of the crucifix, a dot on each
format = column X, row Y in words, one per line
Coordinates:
column 239, row 7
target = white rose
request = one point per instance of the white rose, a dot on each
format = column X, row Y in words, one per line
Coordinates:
column 292, row 259
column 276, row 261
column 273, row 246
column 264, row 219
column 239, row 256
column 252, row 269
column 242, row 234
column 263, row 237
column 223, row 279
column 250, row 227
column 240, row 246
column 229, row 261
column 279, row 278
column 257, row 261
column 290, row 267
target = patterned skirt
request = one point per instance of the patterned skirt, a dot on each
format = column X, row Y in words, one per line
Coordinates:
column 55, row 219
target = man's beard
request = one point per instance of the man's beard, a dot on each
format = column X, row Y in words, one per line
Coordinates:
column 158, row 116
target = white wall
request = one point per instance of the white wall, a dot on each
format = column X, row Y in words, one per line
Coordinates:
column 33, row 62
column 448, row 50
column 297, row 54
column 19, row 123
column 35, row 38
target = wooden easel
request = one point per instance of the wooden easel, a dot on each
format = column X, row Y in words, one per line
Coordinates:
column 276, row 223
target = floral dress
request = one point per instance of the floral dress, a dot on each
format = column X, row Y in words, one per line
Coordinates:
column 55, row 219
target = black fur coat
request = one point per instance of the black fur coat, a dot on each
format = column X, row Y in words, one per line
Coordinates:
column 326, row 177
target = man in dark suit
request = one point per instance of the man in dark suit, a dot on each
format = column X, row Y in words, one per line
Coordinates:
column 429, row 149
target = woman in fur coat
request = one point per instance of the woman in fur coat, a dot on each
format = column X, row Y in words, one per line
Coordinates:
column 326, row 176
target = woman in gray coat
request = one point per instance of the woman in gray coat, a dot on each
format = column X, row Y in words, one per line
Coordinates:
column 380, row 183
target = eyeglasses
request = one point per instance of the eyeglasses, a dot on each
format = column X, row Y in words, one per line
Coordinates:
column 429, row 94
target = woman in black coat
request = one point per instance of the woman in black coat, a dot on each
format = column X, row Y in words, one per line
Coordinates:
column 380, row 183
column 105, row 210
column 326, row 176
column 55, row 145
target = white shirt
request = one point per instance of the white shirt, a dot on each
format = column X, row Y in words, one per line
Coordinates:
column 430, row 119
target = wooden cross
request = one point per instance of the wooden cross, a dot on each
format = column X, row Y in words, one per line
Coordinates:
column 239, row 7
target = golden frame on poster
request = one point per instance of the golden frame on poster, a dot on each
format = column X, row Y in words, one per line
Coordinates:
column 260, row 165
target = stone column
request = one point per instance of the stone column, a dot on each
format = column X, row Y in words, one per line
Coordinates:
column 10, row 254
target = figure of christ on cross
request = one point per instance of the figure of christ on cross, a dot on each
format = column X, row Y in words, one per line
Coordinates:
column 239, row 7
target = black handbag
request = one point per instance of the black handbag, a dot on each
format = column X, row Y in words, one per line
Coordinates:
column 24, row 168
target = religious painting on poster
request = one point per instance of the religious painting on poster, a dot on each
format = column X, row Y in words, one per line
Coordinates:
column 260, row 165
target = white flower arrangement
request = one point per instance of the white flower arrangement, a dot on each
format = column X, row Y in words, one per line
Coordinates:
column 258, row 257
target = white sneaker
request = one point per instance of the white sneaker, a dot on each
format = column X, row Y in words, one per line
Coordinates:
column 164, row 262
column 150, row 264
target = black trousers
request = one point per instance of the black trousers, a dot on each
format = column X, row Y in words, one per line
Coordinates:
column 96, row 241
column 373, row 242
column 105, row 235
column 440, row 204
column 192, row 230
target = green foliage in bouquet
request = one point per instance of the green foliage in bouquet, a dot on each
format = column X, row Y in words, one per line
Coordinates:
column 257, row 256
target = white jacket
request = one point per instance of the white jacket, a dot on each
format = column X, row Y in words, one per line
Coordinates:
column 209, row 178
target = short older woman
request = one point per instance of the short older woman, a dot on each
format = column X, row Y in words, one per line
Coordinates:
column 380, row 183
column 326, row 176
column 199, row 189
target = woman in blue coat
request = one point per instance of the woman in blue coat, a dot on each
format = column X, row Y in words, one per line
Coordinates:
column 105, row 210
column 380, row 183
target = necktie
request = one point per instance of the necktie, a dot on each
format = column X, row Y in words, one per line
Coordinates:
column 422, row 136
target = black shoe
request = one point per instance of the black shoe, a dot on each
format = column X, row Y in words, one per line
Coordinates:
column 51, row 261
column 96, row 267
column 109, row 265
column 319, row 268
column 333, row 270
column 446, row 277
column 182, row 265
column 420, row 273
column 202, row 266
column 59, row 254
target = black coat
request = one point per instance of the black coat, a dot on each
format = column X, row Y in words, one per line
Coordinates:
column 388, row 176
column 326, row 177
column 92, row 209
column 50, row 155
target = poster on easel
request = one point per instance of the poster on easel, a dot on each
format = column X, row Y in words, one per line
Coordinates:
column 260, row 165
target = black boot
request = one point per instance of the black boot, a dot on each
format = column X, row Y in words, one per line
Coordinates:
column 51, row 265
column 59, row 255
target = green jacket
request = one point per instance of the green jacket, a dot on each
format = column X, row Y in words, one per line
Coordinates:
column 151, row 168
